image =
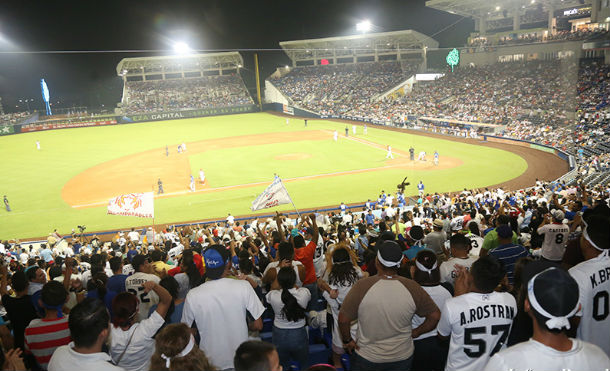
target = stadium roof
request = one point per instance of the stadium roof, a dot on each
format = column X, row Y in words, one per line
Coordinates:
column 496, row 8
column 179, row 63
column 364, row 44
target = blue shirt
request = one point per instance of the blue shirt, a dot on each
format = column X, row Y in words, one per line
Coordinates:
column 131, row 254
column 370, row 219
column 420, row 186
column 411, row 253
column 47, row 255
column 509, row 254
column 116, row 282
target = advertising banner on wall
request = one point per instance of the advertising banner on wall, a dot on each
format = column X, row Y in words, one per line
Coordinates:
column 174, row 115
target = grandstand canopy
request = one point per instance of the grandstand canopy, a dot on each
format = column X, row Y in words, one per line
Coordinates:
column 179, row 65
column 493, row 9
column 373, row 46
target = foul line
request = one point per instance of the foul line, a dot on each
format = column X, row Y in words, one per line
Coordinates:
column 246, row 185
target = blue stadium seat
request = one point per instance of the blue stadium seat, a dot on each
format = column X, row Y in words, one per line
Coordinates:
column 318, row 353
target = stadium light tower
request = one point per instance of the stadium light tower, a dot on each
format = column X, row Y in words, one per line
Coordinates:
column 181, row 47
column 364, row 26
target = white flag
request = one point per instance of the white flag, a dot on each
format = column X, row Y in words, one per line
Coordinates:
column 133, row 204
column 275, row 194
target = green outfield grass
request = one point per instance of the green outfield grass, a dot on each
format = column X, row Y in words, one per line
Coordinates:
column 33, row 179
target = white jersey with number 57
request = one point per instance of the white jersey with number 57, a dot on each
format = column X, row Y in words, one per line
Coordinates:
column 479, row 325
column 133, row 284
column 593, row 278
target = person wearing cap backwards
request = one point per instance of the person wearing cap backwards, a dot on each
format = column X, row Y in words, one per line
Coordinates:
column 384, row 306
column 477, row 318
column 219, row 306
column 436, row 239
column 552, row 299
column 490, row 241
column 593, row 278
column 555, row 236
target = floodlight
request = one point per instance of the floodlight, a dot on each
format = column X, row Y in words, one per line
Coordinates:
column 181, row 47
column 364, row 26
column 497, row 8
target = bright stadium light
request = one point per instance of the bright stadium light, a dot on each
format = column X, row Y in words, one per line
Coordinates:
column 364, row 26
column 181, row 47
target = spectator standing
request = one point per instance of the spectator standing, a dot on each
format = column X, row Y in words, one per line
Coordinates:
column 384, row 306
column 131, row 343
column 255, row 355
column 552, row 299
column 89, row 328
column 176, row 350
column 477, row 319
column 289, row 303
column 555, row 236
column 19, row 309
column 460, row 259
column 435, row 240
column 43, row 336
column 594, row 282
column 218, row 307
column 507, row 252
column 134, row 284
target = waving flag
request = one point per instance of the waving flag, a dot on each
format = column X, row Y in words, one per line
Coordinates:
column 276, row 194
column 133, row 204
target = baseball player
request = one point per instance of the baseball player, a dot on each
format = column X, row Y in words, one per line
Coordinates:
column 411, row 153
column 389, row 154
column 477, row 319
column 6, row 204
column 422, row 156
column 159, row 186
column 420, row 188
column 346, row 132
column 38, row 145
column 335, row 135
column 365, row 129
column 354, row 129
column 287, row 121
column 305, row 122
column 201, row 176
column 435, row 158
column 183, row 147
column 166, row 151
column 192, row 183
column 593, row 280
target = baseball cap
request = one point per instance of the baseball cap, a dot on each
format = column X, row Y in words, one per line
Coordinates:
column 504, row 231
column 389, row 254
column 557, row 214
column 456, row 224
column 216, row 256
column 553, row 294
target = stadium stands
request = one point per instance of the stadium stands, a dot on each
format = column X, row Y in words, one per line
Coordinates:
column 13, row 118
column 201, row 92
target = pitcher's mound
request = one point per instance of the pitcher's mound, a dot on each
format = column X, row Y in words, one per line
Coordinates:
column 293, row 156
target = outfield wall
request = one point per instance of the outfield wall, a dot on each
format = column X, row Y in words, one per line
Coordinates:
column 29, row 126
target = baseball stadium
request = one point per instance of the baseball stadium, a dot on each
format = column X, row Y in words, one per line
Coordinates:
column 452, row 161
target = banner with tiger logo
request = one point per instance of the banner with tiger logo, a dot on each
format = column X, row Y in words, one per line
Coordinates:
column 133, row 204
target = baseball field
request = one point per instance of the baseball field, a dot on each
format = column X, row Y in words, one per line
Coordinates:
column 69, row 180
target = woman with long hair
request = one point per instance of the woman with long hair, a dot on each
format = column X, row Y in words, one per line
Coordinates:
column 289, row 303
column 430, row 353
column 174, row 312
column 189, row 268
column 175, row 350
column 342, row 273
column 131, row 343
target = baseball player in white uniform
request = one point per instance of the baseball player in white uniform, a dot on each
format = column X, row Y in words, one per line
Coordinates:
column 422, row 156
column 201, row 176
column 365, row 129
column 354, row 129
column 593, row 278
column 389, row 154
column 38, row 145
column 478, row 322
column 335, row 135
column 192, row 183
column 183, row 147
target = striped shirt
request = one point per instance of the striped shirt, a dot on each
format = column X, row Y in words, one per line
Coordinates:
column 42, row 337
column 509, row 254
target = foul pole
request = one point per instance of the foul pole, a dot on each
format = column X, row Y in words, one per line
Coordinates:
column 258, row 83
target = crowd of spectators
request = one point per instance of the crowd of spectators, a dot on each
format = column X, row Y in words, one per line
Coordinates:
column 539, row 37
column 190, row 93
column 380, row 287
column 334, row 89
column 13, row 118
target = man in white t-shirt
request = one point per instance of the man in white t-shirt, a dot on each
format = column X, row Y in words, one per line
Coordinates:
column 477, row 318
column 219, row 306
column 133, row 236
column 550, row 348
column 593, row 278
column 460, row 259
column 89, row 325
column 555, row 236
column 143, row 273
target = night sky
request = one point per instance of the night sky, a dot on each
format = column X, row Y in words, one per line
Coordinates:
column 90, row 79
